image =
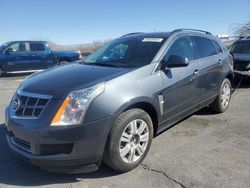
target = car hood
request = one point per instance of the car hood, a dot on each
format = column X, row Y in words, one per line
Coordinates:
column 242, row 57
column 60, row 81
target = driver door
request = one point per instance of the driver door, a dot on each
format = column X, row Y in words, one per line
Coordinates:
column 180, row 92
column 16, row 56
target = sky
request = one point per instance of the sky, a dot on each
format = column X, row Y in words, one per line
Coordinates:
column 85, row 21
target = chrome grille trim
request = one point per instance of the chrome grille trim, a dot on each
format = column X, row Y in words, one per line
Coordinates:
column 32, row 105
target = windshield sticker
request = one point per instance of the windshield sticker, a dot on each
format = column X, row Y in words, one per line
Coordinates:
column 152, row 39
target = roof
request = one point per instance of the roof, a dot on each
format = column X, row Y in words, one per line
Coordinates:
column 165, row 34
column 148, row 35
column 25, row 41
column 247, row 38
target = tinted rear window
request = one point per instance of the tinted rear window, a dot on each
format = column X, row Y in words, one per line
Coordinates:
column 37, row 46
column 241, row 47
column 203, row 47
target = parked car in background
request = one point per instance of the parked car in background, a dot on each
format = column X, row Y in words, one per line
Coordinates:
column 29, row 56
column 110, row 107
column 241, row 52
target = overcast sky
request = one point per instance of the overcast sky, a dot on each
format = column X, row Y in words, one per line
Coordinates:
column 84, row 21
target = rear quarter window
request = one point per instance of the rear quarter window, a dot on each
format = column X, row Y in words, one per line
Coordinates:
column 217, row 46
column 37, row 47
column 203, row 47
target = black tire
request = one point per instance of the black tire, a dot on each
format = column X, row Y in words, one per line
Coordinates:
column 217, row 106
column 1, row 72
column 112, row 155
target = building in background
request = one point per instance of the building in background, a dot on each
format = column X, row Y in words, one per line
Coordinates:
column 223, row 37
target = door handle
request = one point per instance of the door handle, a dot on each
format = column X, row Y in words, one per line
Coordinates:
column 220, row 61
column 196, row 72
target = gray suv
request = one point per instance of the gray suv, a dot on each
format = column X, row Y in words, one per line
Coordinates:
column 109, row 108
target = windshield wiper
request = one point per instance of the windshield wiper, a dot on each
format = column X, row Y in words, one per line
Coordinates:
column 103, row 64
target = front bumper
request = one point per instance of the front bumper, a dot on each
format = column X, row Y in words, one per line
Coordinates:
column 70, row 149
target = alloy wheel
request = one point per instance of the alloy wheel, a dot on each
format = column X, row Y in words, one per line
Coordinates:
column 225, row 96
column 134, row 141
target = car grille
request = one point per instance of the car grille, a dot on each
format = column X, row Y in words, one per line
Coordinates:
column 30, row 106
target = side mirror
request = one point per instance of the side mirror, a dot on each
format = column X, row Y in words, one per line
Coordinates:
column 9, row 50
column 175, row 61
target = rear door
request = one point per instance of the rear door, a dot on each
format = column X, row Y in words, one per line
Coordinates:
column 17, row 58
column 211, row 60
column 41, row 56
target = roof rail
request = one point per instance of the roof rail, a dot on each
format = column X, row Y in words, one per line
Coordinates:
column 196, row 30
column 131, row 34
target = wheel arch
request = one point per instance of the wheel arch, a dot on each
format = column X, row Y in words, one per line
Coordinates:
column 147, row 107
column 230, row 77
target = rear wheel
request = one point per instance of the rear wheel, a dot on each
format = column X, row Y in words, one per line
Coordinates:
column 129, row 140
column 221, row 103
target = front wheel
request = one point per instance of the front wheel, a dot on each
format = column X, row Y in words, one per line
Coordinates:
column 1, row 71
column 221, row 103
column 129, row 140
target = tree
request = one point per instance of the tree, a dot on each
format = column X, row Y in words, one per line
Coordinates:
column 242, row 29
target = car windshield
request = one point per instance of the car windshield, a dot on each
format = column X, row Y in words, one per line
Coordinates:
column 127, row 52
column 4, row 45
column 242, row 47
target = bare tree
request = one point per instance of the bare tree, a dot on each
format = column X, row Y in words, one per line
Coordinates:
column 242, row 29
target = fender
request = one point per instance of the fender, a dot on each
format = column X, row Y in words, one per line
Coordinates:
column 133, row 102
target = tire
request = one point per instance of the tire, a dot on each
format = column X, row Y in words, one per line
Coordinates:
column 116, row 146
column 1, row 72
column 222, row 101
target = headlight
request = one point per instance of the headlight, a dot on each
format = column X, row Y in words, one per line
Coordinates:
column 74, row 107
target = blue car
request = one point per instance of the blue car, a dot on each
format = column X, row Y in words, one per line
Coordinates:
column 30, row 56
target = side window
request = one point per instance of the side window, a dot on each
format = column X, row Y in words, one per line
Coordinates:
column 217, row 47
column 203, row 47
column 181, row 47
column 18, row 47
column 37, row 46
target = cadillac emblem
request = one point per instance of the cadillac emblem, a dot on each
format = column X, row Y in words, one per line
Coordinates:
column 16, row 104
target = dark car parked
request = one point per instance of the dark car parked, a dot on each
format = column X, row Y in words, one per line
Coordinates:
column 73, row 117
column 241, row 52
column 29, row 56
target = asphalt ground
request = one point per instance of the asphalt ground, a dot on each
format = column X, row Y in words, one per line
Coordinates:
column 204, row 150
